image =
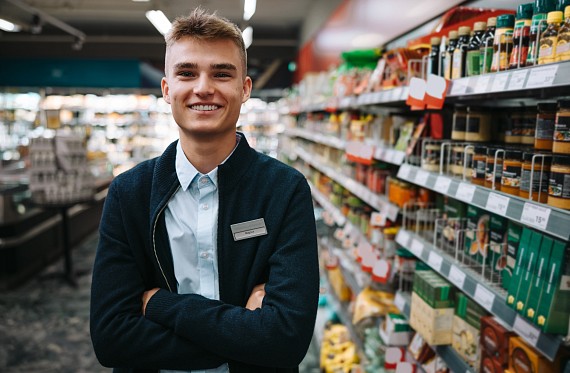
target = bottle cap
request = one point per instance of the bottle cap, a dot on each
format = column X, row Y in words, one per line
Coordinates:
column 525, row 11
column 564, row 104
column 453, row 34
column 492, row 21
column 506, row 21
column 435, row 40
column 464, row 30
column 544, row 6
column 562, row 4
column 554, row 17
column 567, row 12
column 479, row 26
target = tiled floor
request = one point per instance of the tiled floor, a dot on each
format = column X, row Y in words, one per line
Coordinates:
column 44, row 324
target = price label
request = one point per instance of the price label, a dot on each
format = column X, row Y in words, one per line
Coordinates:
column 457, row 276
column 459, row 87
column 398, row 157
column 482, row 83
column 484, row 297
column 527, row 331
column 465, row 192
column 535, row 215
column 392, row 211
column 380, row 153
column 403, row 238
column 517, row 80
column 400, row 301
column 421, row 177
column 541, row 77
column 396, row 94
column 442, row 184
column 417, row 248
column 497, row 203
column 404, row 171
column 499, row 82
column 435, row 260
column 377, row 219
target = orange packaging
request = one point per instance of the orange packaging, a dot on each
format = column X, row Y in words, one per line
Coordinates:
column 525, row 359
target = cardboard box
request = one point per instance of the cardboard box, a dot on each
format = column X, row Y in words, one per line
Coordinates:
column 538, row 279
column 528, row 270
column 494, row 340
column 497, row 255
column 489, row 364
column 522, row 258
column 454, row 212
column 466, row 327
column 395, row 330
column 477, row 234
column 435, row 325
column 524, row 358
column 514, row 234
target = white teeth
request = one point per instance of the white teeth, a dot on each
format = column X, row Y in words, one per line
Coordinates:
column 204, row 107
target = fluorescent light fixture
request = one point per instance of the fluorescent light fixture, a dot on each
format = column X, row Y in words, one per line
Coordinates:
column 159, row 21
column 247, row 36
column 248, row 9
column 141, row 1
column 9, row 26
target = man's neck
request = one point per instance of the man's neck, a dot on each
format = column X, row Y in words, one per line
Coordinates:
column 207, row 153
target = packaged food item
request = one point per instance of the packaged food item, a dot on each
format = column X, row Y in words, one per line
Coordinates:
column 512, row 167
column 549, row 38
column 431, row 156
column 559, row 184
column 477, row 234
column 563, row 41
column 459, row 123
column 478, row 124
column 433, row 57
column 503, row 42
column 493, row 171
column 497, row 255
column 524, row 358
column 528, row 125
column 472, row 63
column 448, row 61
column 466, row 327
column 521, row 35
column 561, row 135
column 522, row 255
column 540, row 174
column 460, row 53
column 478, row 164
column 537, row 27
column 537, row 279
column 494, row 340
column 545, row 123
column 486, row 48
column 513, row 238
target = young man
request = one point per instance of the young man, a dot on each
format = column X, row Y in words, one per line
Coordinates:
column 207, row 256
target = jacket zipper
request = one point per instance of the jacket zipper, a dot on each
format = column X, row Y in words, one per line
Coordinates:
column 154, row 238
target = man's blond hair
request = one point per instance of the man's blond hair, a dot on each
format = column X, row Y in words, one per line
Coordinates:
column 207, row 26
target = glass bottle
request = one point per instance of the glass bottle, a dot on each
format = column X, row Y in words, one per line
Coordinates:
column 453, row 37
column 549, row 38
column 563, row 42
column 433, row 57
column 521, row 36
column 503, row 42
column 472, row 64
column 537, row 27
column 460, row 53
column 486, row 49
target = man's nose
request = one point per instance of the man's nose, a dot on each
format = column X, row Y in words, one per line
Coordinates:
column 204, row 85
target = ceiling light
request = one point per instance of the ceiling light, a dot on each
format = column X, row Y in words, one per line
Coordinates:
column 159, row 21
column 9, row 26
column 247, row 36
column 249, row 9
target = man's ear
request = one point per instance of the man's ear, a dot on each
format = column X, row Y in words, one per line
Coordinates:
column 247, row 86
column 164, row 88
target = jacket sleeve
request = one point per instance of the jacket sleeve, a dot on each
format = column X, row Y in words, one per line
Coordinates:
column 278, row 334
column 121, row 336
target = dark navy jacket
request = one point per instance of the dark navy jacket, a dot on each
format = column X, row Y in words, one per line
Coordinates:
column 189, row 331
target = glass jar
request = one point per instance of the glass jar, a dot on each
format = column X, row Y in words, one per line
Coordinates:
column 563, row 42
column 539, row 184
column 478, row 165
column 511, row 177
column 456, row 164
column 459, row 123
column 561, row 136
column 493, row 171
column 528, row 125
column 431, row 157
column 478, row 125
column 503, row 42
column 513, row 130
column 549, row 38
column 544, row 130
column 559, row 182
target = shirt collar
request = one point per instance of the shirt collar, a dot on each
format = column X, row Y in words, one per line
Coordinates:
column 186, row 171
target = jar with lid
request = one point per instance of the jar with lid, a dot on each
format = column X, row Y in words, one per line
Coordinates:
column 503, row 42
column 431, row 156
column 486, row 48
column 513, row 129
column 512, row 167
column 460, row 53
column 540, row 174
column 456, row 161
column 493, row 171
column 459, row 123
column 478, row 124
column 433, row 57
column 521, row 35
column 544, row 130
column 563, row 41
column 479, row 164
column 549, row 38
column 561, row 137
column 559, row 182
column 472, row 65
column 453, row 37
column 528, row 125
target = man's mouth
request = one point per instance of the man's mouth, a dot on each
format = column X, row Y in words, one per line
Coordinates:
column 204, row 107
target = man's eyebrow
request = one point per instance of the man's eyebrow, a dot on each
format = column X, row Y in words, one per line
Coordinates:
column 186, row 65
column 223, row 66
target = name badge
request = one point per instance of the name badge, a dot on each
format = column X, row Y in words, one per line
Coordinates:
column 248, row 229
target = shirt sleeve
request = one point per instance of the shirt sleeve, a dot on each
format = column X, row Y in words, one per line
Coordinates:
column 121, row 335
column 278, row 334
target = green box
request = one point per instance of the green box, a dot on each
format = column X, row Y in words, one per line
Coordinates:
column 435, row 291
column 522, row 256
column 454, row 213
column 526, row 278
column 513, row 238
column 554, row 305
column 538, row 278
column 497, row 255
column 477, row 234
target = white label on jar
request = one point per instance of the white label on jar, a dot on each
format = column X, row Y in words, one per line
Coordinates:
column 535, row 215
column 497, row 204
column 541, row 77
column 499, row 82
column 517, row 80
column 484, row 297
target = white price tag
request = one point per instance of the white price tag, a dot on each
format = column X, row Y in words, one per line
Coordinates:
column 403, row 237
column 499, row 82
column 482, row 83
column 400, row 301
column 459, row 87
column 404, row 171
column 377, row 219
column 541, row 77
column 396, row 94
column 380, row 153
column 388, row 155
column 484, row 297
column 465, row 192
column 497, row 203
column 421, row 177
column 417, row 248
column 392, row 211
column 405, row 92
column 442, row 184
column 528, row 332
column 435, row 260
column 535, row 215
column 457, row 277
column 398, row 157
column 517, row 80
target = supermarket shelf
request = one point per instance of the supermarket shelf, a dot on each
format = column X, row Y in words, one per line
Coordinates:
column 454, row 362
column 389, row 155
column 322, row 200
column 469, row 282
column 378, row 202
column 327, row 140
column 551, row 220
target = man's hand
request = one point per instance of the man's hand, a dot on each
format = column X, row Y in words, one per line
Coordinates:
column 146, row 297
column 256, row 298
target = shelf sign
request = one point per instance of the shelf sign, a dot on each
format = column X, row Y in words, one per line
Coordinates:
column 400, row 301
column 484, row 297
column 378, row 219
column 417, row 93
column 517, row 80
column 421, row 177
column 541, row 77
column 417, row 248
column 536, row 216
column 360, row 152
column 499, row 82
column 529, row 332
column 442, row 184
column 457, row 277
column 435, row 260
column 403, row 237
column 465, row 192
column 482, row 83
column 436, row 91
column 398, row 157
column 404, row 171
column 497, row 203
column 459, row 87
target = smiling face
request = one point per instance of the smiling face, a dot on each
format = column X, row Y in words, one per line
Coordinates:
column 205, row 86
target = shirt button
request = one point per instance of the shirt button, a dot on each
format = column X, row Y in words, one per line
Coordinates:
column 204, row 206
column 204, row 181
column 204, row 255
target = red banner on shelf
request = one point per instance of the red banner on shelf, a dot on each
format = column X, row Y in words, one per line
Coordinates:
column 416, row 94
column 360, row 152
column 436, row 90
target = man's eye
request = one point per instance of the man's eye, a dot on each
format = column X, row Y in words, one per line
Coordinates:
column 223, row 75
column 185, row 73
